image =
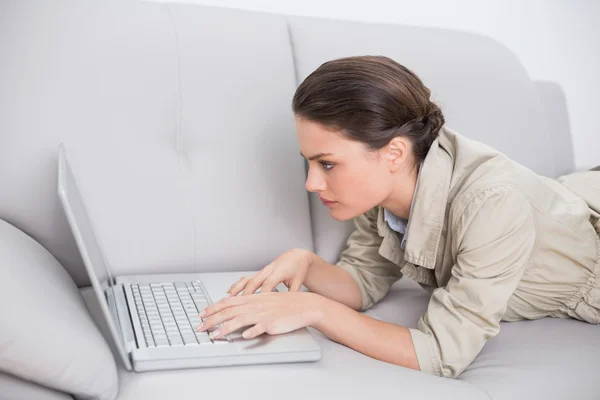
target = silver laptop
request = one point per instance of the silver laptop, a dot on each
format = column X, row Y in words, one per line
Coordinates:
column 152, row 318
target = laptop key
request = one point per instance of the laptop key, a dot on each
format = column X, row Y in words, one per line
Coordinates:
column 187, row 340
column 201, row 304
column 203, row 337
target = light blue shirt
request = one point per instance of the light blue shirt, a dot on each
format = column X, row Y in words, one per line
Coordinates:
column 398, row 224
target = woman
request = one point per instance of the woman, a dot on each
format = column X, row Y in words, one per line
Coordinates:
column 490, row 239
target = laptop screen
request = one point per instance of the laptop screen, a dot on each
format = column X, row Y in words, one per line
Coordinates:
column 87, row 243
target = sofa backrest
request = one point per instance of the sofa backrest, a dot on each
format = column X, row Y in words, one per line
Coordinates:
column 484, row 92
column 178, row 121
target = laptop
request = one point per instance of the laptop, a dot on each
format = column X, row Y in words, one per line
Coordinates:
column 152, row 318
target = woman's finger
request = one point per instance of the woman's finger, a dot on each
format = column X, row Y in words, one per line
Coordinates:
column 218, row 318
column 296, row 285
column 242, row 320
column 256, row 282
column 269, row 284
column 222, row 304
column 238, row 286
column 253, row 332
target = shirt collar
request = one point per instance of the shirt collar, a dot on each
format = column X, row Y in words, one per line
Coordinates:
column 428, row 207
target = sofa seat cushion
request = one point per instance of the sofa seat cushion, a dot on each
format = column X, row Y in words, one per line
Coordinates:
column 520, row 363
column 341, row 373
column 544, row 359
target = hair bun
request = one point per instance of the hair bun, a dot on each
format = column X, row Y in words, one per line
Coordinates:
column 434, row 121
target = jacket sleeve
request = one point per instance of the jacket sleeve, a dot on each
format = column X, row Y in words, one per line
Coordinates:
column 373, row 273
column 494, row 238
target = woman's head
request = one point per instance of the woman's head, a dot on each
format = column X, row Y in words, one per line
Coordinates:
column 374, row 120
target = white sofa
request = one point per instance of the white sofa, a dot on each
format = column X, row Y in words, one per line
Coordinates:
column 178, row 120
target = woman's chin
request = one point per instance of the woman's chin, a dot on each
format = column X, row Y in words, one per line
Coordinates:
column 339, row 214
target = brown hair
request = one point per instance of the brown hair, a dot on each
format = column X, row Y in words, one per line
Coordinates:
column 370, row 99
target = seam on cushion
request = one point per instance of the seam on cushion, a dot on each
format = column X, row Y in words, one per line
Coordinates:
column 179, row 141
column 292, row 48
column 489, row 396
column 313, row 235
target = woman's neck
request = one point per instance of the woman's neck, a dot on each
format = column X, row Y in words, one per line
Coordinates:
column 400, row 199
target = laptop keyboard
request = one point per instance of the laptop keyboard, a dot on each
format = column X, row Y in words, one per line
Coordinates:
column 169, row 313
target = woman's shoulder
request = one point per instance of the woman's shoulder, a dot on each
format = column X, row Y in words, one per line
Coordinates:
column 509, row 190
column 480, row 172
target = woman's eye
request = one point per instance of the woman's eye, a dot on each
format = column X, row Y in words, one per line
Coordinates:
column 326, row 165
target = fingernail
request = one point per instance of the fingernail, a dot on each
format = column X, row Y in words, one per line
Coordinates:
column 200, row 327
column 202, row 313
column 215, row 333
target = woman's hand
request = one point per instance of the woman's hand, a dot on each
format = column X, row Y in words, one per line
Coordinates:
column 290, row 268
column 271, row 313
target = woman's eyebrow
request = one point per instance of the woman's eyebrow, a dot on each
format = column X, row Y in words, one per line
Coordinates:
column 317, row 155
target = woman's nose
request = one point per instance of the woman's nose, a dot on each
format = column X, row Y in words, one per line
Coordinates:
column 315, row 182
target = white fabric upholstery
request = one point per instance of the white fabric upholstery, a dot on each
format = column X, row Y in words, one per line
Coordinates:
column 545, row 359
column 555, row 112
column 13, row 388
column 341, row 373
column 46, row 335
column 97, row 73
column 181, row 197
column 161, row 122
column 520, row 363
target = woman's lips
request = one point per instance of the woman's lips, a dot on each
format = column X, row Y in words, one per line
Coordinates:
column 327, row 202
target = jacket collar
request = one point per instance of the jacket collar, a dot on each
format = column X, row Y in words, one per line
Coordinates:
column 426, row 219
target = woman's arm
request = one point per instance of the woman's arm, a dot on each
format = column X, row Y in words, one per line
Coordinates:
column 277, row 313
column 381, row 340
column 361, row 277
column 332, row 282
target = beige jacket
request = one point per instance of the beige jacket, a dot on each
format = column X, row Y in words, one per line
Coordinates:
column 492, row 241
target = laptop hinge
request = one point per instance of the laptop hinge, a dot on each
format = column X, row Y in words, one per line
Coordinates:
column 120, row 311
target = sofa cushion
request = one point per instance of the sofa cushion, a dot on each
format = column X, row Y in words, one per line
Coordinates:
column 13, row 388
column 182, row 117
column 550, row 359
column 475, row 80
column 47, row 335
column 544, row 359
column 76, row 70
column 341, row 373
column 554, row 104
column 222, row 189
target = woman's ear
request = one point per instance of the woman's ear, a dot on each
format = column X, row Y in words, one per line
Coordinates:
column 398, row 151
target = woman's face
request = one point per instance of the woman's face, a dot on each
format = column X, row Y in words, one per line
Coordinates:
column 349, row 179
